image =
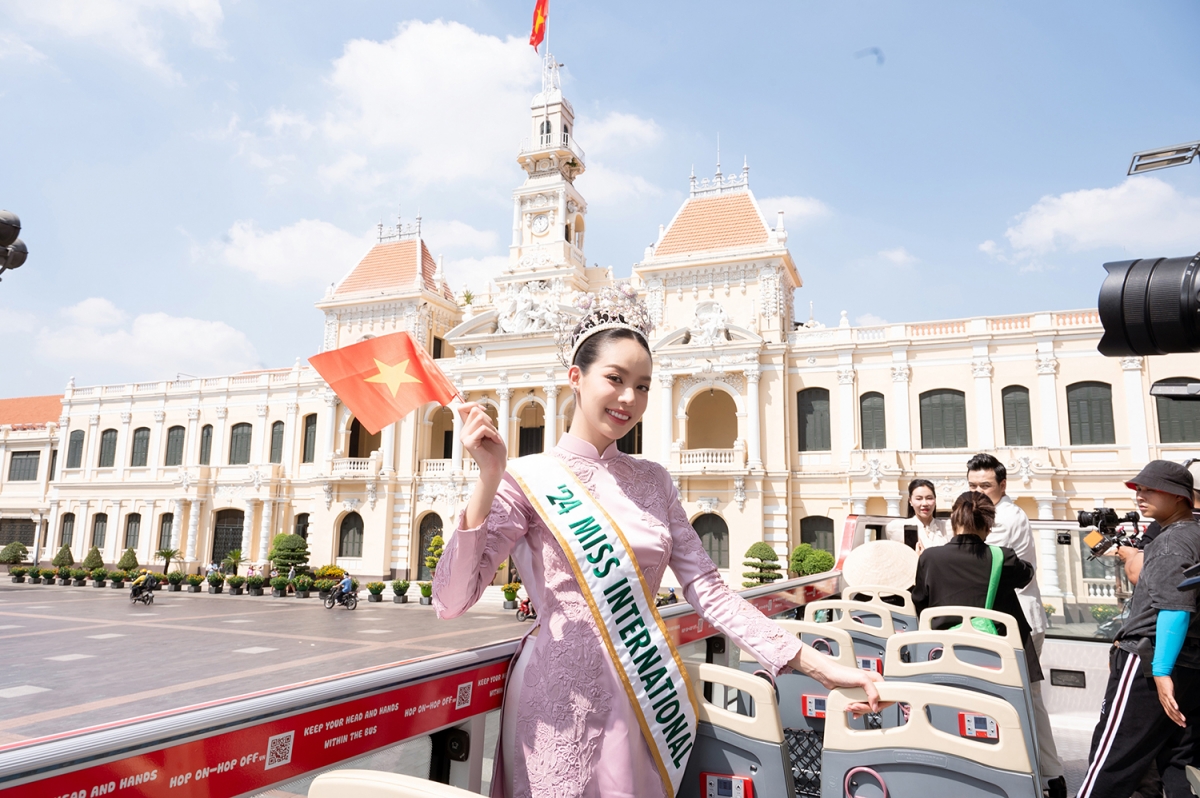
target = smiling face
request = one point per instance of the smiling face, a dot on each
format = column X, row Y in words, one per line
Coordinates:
column 924, row 503
column 611, row 393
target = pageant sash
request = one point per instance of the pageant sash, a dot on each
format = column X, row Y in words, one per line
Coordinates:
column 623, row 606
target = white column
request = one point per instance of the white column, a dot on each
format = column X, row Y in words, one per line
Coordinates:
column 858, row 506
column 666, row 418
column 219, row 456
column 176, row 524
column 389, row 450
column 193, row 530
column 1135, row 401
column 64, row 442
column 502, row 419
column 265, row 531
column 1047, row 575
column 845, row 413
column 247, row 527
column 79, row 545
column 193, row 438
column 551, row 438
column 53, row 543
column 263, row 431
column 893, row 505
column 290, row 431
column 146, row 547
column 154, row 457
column 91, row 448
column 115, row 533
column 1047, row 368
column 985, row 425
column 123, row 449
column 516, row 236
column 754, row 433
column 331, row 405
column 456, row 448
column 900, row 426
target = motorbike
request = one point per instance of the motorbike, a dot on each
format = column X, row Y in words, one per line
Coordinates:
column 525, row 610
column 142, row 593
column 349, row 600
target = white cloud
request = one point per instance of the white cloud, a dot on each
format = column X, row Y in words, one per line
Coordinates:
column 307, row 251
column 14, row 48
column 98, row 335
column 1143, row 215
column 17, row 321
column 989, row 247
column 796, row 210
column 618, row 132
column 870, row 320
column 899, row 256
column 609, row 186
column 456, row 237
column 474, row 273
column 133, row 28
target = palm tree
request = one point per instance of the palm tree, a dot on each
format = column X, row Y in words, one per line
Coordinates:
column 234, row 559
column 166, row 555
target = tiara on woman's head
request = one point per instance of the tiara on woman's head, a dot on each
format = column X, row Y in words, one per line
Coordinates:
column 611, row 308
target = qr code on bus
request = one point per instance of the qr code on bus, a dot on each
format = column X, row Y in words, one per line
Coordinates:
column 463, row 699
column 279, row 749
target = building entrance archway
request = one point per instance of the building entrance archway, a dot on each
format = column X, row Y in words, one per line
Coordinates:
column 431, row 527
column 227, row 534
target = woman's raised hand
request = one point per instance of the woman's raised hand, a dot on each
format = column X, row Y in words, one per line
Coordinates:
column 481, row 438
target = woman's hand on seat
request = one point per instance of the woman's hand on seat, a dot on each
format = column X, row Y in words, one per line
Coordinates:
column 831, row 673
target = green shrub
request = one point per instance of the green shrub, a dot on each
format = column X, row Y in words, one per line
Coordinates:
column 426, row 588
column 93, row 560
column 255, row 582
column 818, row 561
column 79, row 573
column 166, row 555
column 176, row 577
column 116, row 576
column 436, row 546
column 63, row 557
column 1105, row 612
column 18, row 571
column 14, row 553
column 796, row 560
column 400, row 587
column 235, row 581
column 216, row 579
column 99, row 575
column 764, row 561
column 195, row 580
column 324, row 585
column 128, row 561
column 63, row 572
column 288, row 552
column 510, row 590
column 375, row 588
column 279, row 583
column 303, row 583
column 49, row 573
column 331, row 572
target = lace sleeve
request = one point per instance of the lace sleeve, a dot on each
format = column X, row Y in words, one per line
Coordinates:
column 470, row 559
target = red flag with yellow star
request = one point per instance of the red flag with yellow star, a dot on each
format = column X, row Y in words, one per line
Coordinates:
column 382, row 379
column 541, row 13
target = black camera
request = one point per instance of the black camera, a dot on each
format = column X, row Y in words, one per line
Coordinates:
column 1107, row 533
column 1150, row 306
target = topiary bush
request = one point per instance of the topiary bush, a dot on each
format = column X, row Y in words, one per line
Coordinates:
column 289, row 551
column 63, row 557
column 818, row 561
column 128, row 561
column 93, row 560
column 765, row 564
column 14, row 553
column 436, row 546
column 796, row 560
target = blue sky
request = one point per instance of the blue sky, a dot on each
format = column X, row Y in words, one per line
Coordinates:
column 191, row 174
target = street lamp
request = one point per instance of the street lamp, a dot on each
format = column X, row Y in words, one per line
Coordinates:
column 12, row 249
column 1163, row 158
column 37, row 536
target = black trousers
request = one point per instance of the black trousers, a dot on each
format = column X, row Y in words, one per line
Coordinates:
column 1134, row 732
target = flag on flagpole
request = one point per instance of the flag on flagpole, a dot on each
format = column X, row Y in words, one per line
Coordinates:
column 541, row 12
column 382, row 379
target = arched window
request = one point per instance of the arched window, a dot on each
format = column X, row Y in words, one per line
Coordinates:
column 301, row 526
column 350, row 536
column 812, row 413
column 68, row 529
column 227, row 534
column 1018, row 430
column 108, row 448
column 175, row 436
column 441, row 434
column 874, row 429
column 75, row 449
column 310, row 438
column 99, row 529
column 943, row 420
column 239, row 444
column 714, row 534
column 1178, row 419
column 817, row 531
column 631, row 442
column 431, row 526
column 1090, row 414
column 166, row 526
column 544, row 131
column 277, row 442
column 206, row 444
column 133, row 530
column 362, row 443
column 532, row 430
column 566, row 135
column 140, row 452
column 711, row 420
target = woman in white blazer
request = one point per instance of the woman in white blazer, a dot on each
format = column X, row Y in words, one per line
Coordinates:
column 922, row 504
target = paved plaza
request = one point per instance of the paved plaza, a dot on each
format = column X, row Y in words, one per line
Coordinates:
column 79, row 656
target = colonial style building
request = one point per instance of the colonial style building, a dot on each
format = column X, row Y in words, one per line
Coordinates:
column 772, row 431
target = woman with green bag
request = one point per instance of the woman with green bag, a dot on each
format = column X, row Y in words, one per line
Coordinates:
column 968, row 572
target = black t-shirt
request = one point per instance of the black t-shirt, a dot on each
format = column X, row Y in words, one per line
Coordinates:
column 1174, row 549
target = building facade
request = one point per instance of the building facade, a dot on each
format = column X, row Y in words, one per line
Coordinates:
column 772, row 431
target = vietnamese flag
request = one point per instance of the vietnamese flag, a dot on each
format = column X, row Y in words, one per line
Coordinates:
column 541, row 13
column 382, row 379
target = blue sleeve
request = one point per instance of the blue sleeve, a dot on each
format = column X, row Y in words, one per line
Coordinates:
column 1170, row 633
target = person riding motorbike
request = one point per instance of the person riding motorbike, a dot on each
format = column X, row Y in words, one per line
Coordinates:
column 343, row 587
column 144, row 582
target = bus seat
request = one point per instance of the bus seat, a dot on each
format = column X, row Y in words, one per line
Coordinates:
column 985, row 663
column 869, row 626
column 921, row 757
column 380, row 784
column 732, row 744
column 1193, row 777
column 964, row 616
column 904, row 614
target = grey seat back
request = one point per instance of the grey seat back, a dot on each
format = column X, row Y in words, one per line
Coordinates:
column 897, row 602
column 869, row 626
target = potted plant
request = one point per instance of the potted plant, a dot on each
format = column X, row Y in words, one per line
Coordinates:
column 18, row 574
column 49, row 574
column 216, row 580
column 254, row 585
column 375, row 589
column 166, row 555
column 35, row 576
column 510, row 595
column 400, row 589
column 279, row 586
column 79, row 576
column 99, row 577
column 116, row 579
column 194, row 581
column 128, row 561
column 175, row 581
column 63, row 573
column 303, row 585
column 235, row 583
column 14, row 553
column 64, row 557
column 426, row 592
column 324, row 586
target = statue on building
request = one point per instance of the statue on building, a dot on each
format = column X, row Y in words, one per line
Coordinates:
column 710, row 326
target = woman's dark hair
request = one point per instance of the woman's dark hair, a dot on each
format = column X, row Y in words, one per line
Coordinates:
column 973, row 514
column 589, row 350
column 918, row 483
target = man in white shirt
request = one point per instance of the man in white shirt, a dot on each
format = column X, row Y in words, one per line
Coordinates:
column 987, row 475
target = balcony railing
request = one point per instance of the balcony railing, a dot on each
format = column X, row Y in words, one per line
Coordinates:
column 355, row 466
column 442, row 468
column 992, row 325
column 713, row 459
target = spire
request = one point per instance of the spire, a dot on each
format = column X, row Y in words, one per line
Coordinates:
column 718, row 156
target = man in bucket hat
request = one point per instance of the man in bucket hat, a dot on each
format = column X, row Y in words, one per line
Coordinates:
column 1154, row 667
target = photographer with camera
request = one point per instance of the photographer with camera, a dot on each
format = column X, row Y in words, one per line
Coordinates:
column 1154, row 666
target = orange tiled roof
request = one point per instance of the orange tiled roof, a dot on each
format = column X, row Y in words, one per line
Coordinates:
column 707, row 224
column 30, row 410
column 392, row 266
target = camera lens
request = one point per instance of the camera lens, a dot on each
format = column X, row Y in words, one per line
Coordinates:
column 1150, row 307
column 1086, row 519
